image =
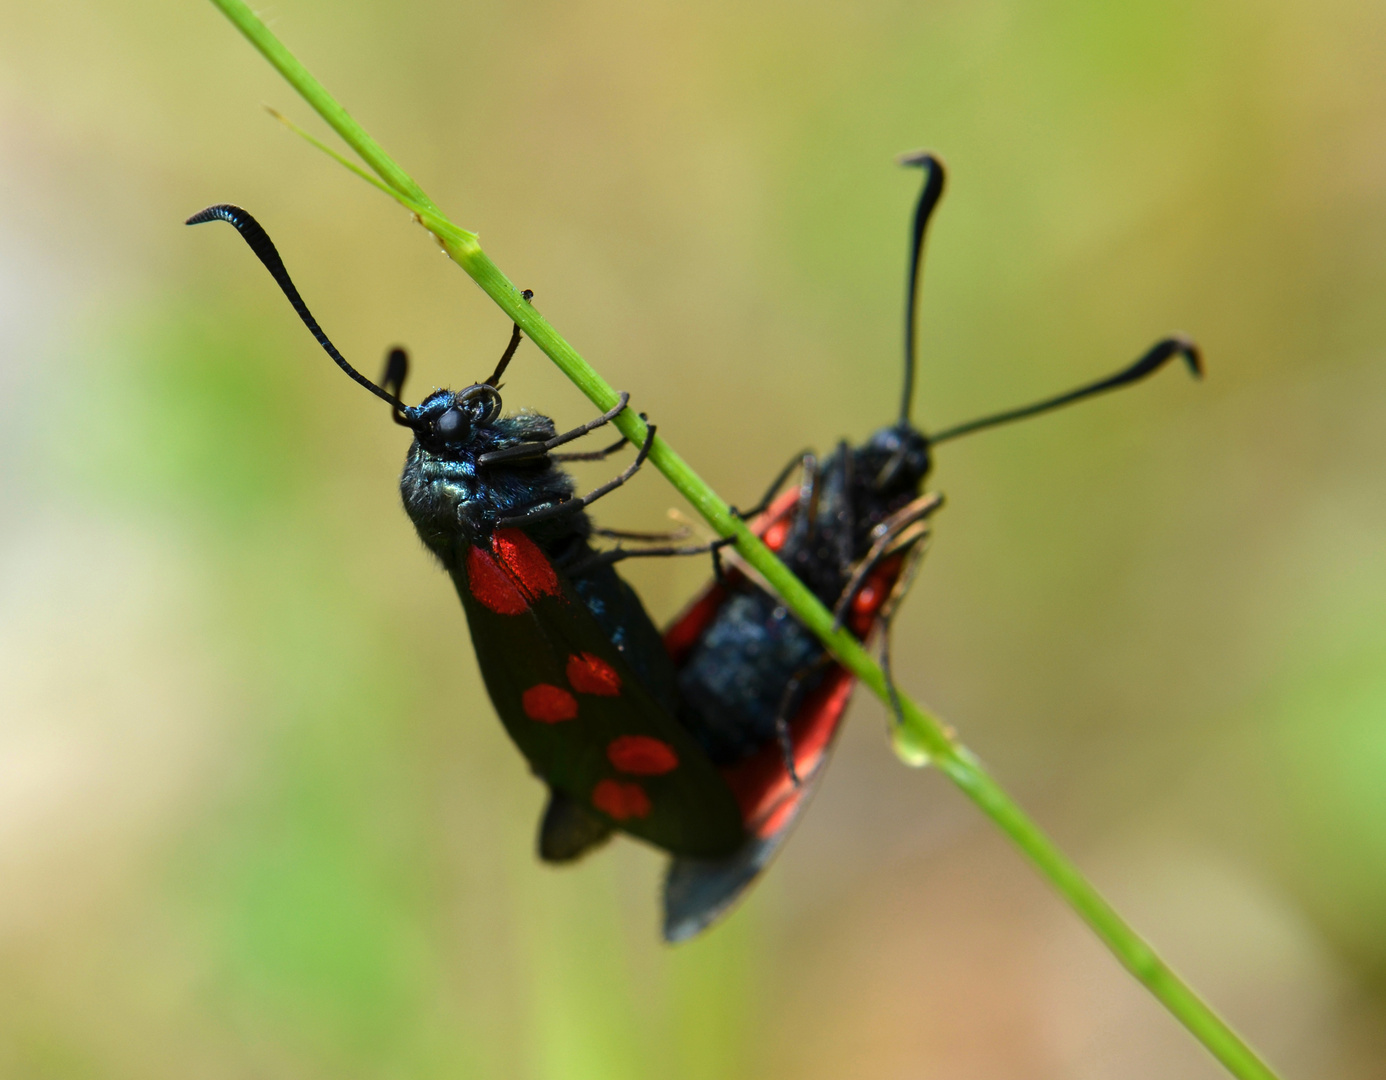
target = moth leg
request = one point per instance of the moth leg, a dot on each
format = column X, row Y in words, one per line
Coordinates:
column 606, row 558
column 620, row 554
column 804, row 460
column 789, row 703
column 897, row 711
column 805, row 519
column 573, row 506
column 515, row 333
column 905, row 526
column 681, row 533
column 593, row 455
column 592, row 425
column 884, row 619
column 775, row 485
column 528, row 451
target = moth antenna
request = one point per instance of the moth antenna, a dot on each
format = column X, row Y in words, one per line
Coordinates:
column 396, row 371
column 494, row 380
column 1155, row 358
column 924, row 209
column 260, row 243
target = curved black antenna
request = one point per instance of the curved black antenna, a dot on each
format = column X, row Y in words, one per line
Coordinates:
column 494, row 380
column 263, row 247
column 928, row 199
column 1154, row 359
column 396, row 371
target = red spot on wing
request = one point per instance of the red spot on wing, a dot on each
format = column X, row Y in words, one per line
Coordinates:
column 641, row 755
column 589, row 674
column 525, row 563
column 621, row 799
column 491, row 585
column 548, row 704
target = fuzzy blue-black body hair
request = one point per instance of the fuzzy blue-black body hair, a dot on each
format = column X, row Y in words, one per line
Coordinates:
column 454, row 502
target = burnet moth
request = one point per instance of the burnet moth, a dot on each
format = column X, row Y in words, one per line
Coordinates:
column 759, row 692
column 573, row 664
column 707, row 742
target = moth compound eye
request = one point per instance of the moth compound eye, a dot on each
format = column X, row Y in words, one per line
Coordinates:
column 452, row 424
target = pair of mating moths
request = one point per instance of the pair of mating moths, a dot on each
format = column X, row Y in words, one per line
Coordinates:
column 706, row 740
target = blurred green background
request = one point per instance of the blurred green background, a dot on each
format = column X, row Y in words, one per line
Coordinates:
column 257, row 818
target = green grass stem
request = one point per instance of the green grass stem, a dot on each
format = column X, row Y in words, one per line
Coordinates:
column 921, row 737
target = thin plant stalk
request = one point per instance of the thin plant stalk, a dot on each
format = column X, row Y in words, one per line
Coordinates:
column 920, row 738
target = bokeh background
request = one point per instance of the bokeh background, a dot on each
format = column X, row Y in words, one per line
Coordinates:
column 257, row 818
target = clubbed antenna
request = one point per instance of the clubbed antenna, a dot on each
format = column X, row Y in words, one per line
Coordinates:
column 260, row 243
column 1155, row 358
column 928, row 199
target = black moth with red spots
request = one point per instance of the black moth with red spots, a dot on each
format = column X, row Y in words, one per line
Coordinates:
column 707, row 741
column 579, row 676
column 573, row 664
column 757, row 689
